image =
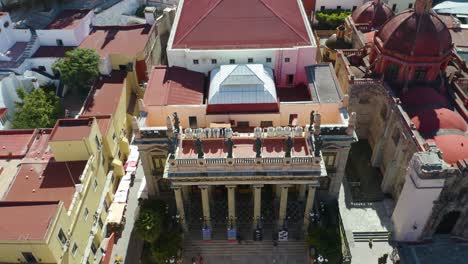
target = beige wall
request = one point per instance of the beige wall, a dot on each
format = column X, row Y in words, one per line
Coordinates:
column 330, row 115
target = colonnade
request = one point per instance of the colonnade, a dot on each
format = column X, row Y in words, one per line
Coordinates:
column 257, row 203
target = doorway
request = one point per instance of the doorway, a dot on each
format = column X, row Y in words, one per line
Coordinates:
column 448, row 222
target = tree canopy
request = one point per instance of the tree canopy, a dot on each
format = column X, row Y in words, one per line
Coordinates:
column 78, row 69
column 330, row 19
column 38, row 109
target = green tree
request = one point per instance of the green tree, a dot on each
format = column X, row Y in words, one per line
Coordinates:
column 166, row 246
column 149, row 225
column 331, row 18
column 38, row 109
column 78, row 69
column 326, row 241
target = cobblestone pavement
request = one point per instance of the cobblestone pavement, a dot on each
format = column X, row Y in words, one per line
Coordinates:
column 441, row 251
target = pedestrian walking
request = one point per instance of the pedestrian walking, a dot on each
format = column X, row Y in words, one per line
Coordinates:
column 200, row 259
column 194, row 260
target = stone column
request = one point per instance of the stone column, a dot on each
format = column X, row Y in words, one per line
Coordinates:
column 302, row 191
column 308, row 207
column 340, row 165
column 180, row 207
column 393, row 167
column 231, row 204
column 283, row 205
column 257, row 204
column 151, row 181
column 205, row 205
column 377, row 153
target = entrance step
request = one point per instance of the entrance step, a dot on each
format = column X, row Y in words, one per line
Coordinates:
column 247, row 248
column 381, row 236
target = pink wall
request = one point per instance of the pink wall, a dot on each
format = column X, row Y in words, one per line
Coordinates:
column 298, row 59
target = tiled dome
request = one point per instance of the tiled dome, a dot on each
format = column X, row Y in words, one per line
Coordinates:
column 374, row 13
column 429, row 121
column 417, row 34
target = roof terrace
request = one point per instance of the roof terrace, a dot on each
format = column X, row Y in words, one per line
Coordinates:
column 214, row 150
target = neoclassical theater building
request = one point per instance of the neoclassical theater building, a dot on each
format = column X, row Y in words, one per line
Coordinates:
column 409, row 89
column 243, row 128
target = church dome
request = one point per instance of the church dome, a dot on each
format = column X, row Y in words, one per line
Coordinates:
column 428, row 121
column 416, row 34
column 374, row 13
column 453, row 147
column 420, row 97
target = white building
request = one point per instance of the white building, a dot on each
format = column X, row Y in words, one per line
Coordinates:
column 201, row 41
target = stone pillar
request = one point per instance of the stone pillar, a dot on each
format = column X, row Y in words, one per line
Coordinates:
column 205, row 205
column 151, row 181
column 302, row 191
column 308, row 207
column 231, row 204
column 340, row 165
column 393, row 168
column 283, row 205
column 257, row 204
column 377, row 153
column 180, row 206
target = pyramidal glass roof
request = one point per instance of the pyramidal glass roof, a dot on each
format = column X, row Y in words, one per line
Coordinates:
column 242, row 84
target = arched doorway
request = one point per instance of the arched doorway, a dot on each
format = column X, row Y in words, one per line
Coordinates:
column 448, row 222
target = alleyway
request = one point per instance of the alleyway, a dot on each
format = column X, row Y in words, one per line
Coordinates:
column 129, row 246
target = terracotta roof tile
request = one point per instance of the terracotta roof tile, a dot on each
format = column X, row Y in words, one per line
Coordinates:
column 105, row 96
column 26, row 220
column 174, row 86
column 71, row 129
column 68, row 19
column 224, row 24
column 125, row 40
column 15, row 142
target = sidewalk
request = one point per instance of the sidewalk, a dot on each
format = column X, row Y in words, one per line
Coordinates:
column 130, row 254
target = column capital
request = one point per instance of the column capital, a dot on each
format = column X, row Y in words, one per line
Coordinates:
column 203, row 187
column 231, row 186
column 258, row 185
column 176, row 188
column 285, row 185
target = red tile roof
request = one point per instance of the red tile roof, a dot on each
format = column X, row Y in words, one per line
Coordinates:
column 105, row 96
column 174, row 86
column 51, row 51
column 244, row 148
column 103, row 123
column 125, row 40
column 71, row 129
column 46, row 181
column 15, row 142
column 26, row 220
column 225, row 24
column 68, row 19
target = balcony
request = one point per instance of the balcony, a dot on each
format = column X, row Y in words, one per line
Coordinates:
column 275, row 153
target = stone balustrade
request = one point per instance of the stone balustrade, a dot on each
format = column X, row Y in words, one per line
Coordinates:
column 206, row 164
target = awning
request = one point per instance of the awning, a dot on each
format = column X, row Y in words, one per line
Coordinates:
column 116, row 212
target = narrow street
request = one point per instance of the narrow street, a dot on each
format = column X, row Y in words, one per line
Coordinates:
column 122, row 250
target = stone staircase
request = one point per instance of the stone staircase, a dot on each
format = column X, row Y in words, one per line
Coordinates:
column 379, row 236
column 247, row 248
column 30, row 47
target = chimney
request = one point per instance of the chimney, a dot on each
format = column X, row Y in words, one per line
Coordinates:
column 422, row 6
column 150, row 12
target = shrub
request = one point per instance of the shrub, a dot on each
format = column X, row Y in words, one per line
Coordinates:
column 329, row 19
